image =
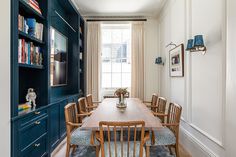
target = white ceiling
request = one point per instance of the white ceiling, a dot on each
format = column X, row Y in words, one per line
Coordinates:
column 119, row 7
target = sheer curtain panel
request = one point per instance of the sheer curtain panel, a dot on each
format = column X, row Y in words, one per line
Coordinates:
column 137, row 70
column 93, row 58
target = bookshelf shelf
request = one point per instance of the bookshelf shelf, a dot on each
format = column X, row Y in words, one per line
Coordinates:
column 29, row 10
column 31, row 38
column 30, row 66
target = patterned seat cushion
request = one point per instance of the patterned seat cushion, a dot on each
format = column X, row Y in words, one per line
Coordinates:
column 82, row 137
column 163, row 136
column 125, row 149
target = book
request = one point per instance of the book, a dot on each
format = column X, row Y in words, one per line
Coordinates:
column 23, row 107
column 28, row 60
column 20, row 18
column 26, row 53
column 22, row 51
column 35, row 6
column 19, row 50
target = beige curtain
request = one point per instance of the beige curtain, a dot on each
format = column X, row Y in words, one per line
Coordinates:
column 137, row 70
column 93, row 59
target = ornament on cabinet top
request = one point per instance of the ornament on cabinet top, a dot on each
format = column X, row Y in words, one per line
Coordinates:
column 31, row 97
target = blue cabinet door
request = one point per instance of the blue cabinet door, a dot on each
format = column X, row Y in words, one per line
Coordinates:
column 54, row 125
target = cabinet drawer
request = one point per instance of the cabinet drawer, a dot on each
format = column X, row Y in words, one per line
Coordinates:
column 32, row 131
column 32, row 117
column 37, row 149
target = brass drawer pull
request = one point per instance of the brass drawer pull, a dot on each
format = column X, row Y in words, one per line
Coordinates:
column 37, row 122
column 37, row 113
column 37, row 145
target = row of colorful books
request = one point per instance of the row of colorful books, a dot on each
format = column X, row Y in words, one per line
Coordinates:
column 30, row 26
column 28, row 53
column 35, row 5
column 22, row 107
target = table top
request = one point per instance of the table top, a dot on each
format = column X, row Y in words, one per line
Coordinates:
column 135, row 111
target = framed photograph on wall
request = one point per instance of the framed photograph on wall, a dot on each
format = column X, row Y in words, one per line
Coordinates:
column 176, row 58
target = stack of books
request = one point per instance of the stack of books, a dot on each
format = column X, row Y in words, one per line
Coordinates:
column 35, row 5
column 28, row 53
column 22, row 107
column 30, row 26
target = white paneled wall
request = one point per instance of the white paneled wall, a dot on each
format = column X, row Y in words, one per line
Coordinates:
column 201, row 91
column 5, row 78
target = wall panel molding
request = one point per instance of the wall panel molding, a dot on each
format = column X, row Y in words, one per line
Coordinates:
column 219, row 143
column 193, row 142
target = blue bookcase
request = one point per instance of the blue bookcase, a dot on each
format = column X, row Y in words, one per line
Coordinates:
column 37, row 131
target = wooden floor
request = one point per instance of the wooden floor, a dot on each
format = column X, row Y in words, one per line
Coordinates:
column 60, row 151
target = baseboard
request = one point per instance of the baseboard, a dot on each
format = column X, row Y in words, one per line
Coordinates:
column 194, row 146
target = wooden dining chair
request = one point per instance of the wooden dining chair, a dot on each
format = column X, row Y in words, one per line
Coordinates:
column 160, row 109
column 153, row 103
column 169, row 134
column 91, row 105
column 75, row 136
column 83, row 112
column 130, row 141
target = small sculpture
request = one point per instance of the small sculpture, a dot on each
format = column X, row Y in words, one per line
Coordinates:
column 31, row 97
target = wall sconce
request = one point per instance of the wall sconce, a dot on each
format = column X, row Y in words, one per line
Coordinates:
column 159, row 61
column 196, row 45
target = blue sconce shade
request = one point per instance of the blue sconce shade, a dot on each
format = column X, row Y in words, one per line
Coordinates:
column 158, row 60
column 196, row 45
column 190, row 44
column 198, row 41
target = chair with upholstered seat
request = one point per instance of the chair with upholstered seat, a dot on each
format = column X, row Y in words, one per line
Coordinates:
column 129, row 141
column 91, row 105
column 169, row 134
column 75, row 136
column 160, row 109
column 83, row 112
column 153, row 103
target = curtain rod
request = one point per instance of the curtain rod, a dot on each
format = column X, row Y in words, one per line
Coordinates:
column 93, row 20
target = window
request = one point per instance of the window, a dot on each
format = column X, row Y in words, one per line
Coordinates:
column 116, row 56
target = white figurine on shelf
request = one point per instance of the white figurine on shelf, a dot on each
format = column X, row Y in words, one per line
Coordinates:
column 31, row 97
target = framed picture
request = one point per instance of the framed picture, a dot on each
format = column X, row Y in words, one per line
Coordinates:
column 177, row 61
column 58, row 58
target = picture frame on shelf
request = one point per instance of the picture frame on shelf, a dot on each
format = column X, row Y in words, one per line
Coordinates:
column 176, row 61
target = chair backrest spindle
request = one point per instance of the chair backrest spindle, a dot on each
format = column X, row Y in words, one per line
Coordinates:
column 132, row 127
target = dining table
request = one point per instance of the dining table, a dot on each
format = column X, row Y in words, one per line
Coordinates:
column 135, row 110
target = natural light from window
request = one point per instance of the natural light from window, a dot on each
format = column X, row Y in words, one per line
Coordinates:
column 116, row 56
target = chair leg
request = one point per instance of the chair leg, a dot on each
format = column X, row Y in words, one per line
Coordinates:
column 74, row 147
column 147, row 151
column 177, row 150
column 97, row 151
column 153, row 138
column 67, row 150
column 169, row 147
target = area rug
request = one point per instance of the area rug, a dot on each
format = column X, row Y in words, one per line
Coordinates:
column 159, row 151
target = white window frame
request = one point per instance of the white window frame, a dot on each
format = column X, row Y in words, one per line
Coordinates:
column 112, row 89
